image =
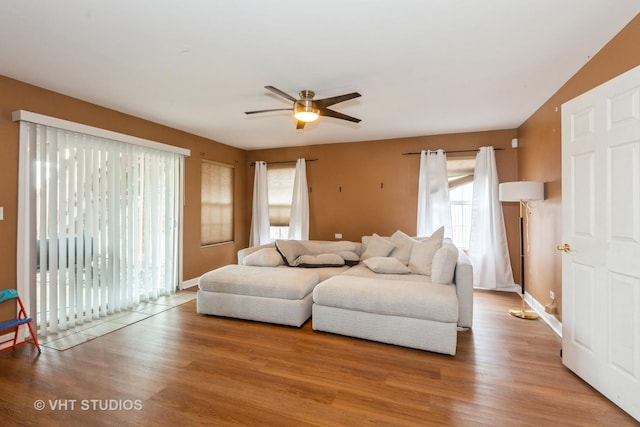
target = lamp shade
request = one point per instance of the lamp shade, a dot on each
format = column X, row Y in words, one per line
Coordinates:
column 521, row 190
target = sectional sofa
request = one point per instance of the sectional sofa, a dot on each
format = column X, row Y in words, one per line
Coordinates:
column 413, row 292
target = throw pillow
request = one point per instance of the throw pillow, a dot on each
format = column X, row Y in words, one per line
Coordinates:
column 325, row 247
column 386, row 265
column 444, row 263
column 319, row 260
column 365, row 242
column 290, row 250
column 404, row 245
column 377, row 246
column 423, row 252
column 266, row 257
column 350, row 258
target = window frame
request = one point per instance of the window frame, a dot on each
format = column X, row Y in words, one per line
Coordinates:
column 458, row 168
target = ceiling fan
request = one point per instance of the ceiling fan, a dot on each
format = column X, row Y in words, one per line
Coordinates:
column 306, row 109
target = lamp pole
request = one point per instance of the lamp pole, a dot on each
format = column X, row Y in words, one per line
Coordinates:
column 522, row 313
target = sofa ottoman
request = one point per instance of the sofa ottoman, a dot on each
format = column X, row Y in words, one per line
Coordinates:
column 413, row 314
column 274, row 295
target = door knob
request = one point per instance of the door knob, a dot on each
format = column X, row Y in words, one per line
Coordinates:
column 565, row 248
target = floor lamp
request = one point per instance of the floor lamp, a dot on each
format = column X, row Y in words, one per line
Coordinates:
column 522, row 192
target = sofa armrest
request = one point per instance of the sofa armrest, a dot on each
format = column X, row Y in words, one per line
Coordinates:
column 246, row 251
column 464, row 288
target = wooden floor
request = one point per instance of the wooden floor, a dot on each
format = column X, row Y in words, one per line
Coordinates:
column 181, row 368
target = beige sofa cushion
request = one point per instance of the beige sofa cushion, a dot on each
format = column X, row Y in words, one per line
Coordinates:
column 430, row 301
column 320, row 260
column 444, row 263
column 290, row 250
column 404, row 246
column 423, row 251
column 279, row 282
column 361, row 270
column 386, row 265
column 312, row 253
column 323, row 247
column 377, row 246
column 266, row 257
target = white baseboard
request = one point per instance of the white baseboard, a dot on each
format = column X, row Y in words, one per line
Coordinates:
column 549, row 319
column 511, row 288
column 189, row 283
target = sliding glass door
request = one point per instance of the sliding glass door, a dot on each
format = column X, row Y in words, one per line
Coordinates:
column 105, row 225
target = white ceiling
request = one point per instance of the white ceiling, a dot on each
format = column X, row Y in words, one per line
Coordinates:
column 423, row 67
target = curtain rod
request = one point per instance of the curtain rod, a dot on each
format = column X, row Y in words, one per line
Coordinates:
column 284, row 161
column 454, row 151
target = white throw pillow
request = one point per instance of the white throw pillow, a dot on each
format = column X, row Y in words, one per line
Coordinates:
column 266, row 257
column 377, row 246
column 386, row 265
column 350, row 258
column 404, row 245
column 423, row 252
column 444, row 263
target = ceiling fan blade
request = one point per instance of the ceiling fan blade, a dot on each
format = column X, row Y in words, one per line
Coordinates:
column 325, row 102
column 266, row 111
column 281, row 93
column 330, row 113
column 300, row 124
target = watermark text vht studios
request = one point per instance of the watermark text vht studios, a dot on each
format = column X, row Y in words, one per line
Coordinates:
column 88, row 405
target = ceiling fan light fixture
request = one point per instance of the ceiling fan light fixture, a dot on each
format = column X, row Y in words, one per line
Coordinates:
column 305, row 110
column 307, row 116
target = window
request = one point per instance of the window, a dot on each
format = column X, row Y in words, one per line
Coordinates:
column 280, row 179
column 460, row 171
column 217, row 203
column 461, row 198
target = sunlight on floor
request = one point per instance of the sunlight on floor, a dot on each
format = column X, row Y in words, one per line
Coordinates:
column 77, row 335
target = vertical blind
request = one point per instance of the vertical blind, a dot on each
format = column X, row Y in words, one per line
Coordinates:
column 107, row 220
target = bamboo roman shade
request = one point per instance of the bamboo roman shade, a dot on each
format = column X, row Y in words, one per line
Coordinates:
column 216, row 203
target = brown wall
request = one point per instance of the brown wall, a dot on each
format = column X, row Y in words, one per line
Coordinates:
column 15, row 95
column 539, row 158
column 363, row 207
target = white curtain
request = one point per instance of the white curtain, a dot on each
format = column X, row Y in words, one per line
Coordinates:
column 259, row 234
column 299, row 220
column 488, row 249
column 434, row 205
column 106, row 224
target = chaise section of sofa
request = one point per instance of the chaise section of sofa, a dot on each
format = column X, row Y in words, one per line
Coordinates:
column 261, row 287
column 263, row 294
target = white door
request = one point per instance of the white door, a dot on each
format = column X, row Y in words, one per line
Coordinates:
column 601, row 226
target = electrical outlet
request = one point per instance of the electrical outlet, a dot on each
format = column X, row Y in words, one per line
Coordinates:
column 552, row 295
column 338, row 236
